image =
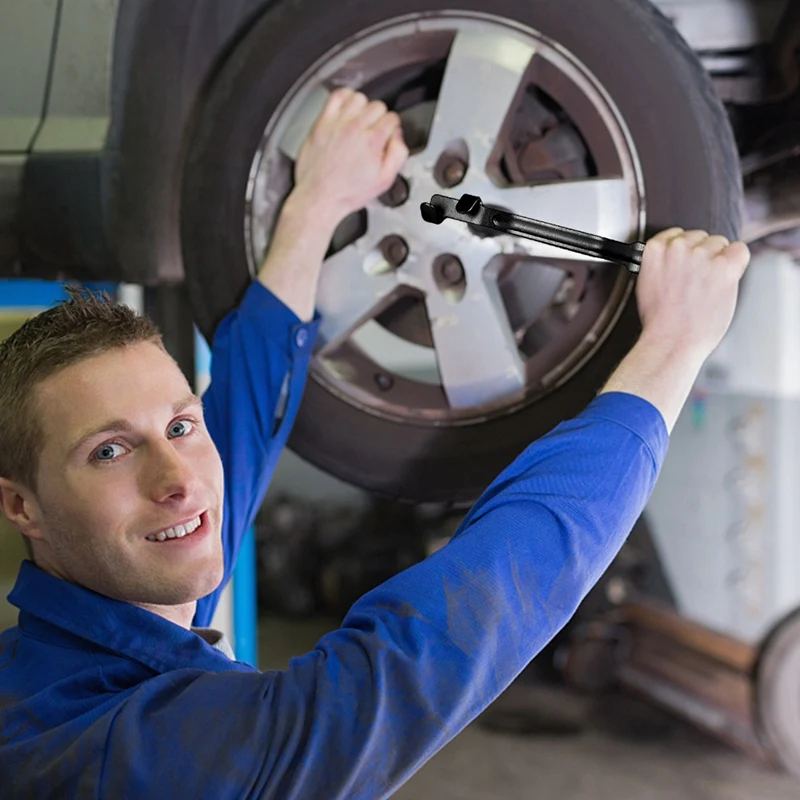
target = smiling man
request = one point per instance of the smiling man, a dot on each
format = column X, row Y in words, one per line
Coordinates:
column 134, row 497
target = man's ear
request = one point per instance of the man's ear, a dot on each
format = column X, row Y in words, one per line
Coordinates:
column 20, row 507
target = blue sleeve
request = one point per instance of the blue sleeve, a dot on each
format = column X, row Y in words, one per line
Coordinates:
column 421, row 656
column 259, row 364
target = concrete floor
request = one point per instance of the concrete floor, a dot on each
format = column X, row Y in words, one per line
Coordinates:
column 627, row 751
column 605, row 762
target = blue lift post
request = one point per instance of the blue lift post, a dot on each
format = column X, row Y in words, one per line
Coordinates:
column 245, row 607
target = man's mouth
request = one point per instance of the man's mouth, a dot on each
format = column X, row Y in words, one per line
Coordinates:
column 179, row 531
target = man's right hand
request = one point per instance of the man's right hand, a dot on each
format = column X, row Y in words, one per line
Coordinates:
column 687, row 291
column 688, row 287
column 352, row 155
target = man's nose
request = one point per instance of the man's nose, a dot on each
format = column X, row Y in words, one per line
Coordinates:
column 168, row 473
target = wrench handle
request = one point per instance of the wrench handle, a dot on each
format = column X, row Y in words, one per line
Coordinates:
column 470, row 210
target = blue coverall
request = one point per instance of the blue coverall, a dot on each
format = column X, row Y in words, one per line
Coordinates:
column 102, row 699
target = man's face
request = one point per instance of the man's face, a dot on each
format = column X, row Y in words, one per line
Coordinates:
column 126, row 457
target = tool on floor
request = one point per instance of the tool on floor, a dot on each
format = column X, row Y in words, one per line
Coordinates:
column 470, row 210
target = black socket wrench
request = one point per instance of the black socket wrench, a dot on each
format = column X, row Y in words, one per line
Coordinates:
column 470, row 210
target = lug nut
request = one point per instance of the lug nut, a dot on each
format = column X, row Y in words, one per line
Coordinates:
column 455, row 172
column 450, row 171
column 394, row 250
column 397, row 194
column 452, row 270
column 384, row 382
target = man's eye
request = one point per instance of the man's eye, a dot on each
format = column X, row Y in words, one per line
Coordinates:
column 107, row 452
column 181, row 428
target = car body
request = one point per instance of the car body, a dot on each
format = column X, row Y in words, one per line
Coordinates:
column 97, row 96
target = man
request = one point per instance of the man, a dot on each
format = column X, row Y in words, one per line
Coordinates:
column 110, row 687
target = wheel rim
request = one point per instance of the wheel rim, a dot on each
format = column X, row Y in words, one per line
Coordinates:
column 439, row 324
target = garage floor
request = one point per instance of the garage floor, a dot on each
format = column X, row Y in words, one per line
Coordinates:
column 627, row 751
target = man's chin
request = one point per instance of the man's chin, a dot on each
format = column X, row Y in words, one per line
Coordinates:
column 182, row 592
column 194, row 591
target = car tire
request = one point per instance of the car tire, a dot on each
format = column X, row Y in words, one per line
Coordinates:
column 690, row 170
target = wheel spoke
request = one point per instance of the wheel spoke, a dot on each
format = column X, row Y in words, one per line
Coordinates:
column 475, row 348
column 600, row 206
column 481, row 80
column 355, row 286
column 531, row 289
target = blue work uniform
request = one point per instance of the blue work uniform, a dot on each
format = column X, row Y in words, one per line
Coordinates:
column 102, row 699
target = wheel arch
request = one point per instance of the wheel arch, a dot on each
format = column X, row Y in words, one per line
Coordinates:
column 166, row 57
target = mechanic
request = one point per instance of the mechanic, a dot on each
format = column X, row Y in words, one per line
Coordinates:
column 134, row 498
